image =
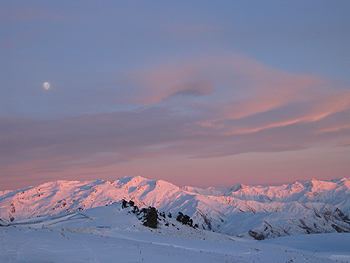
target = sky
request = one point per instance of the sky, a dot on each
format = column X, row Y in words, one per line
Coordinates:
column 200, row 93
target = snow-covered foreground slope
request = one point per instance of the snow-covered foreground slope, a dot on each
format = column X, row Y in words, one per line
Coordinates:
column 111, row 234
column 303, row 207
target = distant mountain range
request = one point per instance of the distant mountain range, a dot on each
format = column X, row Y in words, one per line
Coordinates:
column 303, row 207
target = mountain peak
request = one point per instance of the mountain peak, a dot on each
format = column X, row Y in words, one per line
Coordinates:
column 237, row 187
column 130, row 180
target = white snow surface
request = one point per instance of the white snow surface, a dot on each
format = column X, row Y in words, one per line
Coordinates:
column 261, row 212
column 111, row 234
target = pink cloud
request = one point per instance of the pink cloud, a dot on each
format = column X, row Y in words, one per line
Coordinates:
column 161, row 82
column 239, row 87
column 212, row 106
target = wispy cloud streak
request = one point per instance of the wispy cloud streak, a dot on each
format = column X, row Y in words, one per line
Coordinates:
column 200, row 107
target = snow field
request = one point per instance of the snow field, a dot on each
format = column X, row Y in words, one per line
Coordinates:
column 111, row 234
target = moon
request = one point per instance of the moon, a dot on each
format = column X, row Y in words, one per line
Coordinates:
column 46, row 85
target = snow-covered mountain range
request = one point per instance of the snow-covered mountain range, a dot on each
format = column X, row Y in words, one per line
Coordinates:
column 303, row 207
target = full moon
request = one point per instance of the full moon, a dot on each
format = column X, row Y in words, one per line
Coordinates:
column 46, row 85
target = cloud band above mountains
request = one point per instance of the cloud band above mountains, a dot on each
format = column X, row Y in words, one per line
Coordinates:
column 209, row 106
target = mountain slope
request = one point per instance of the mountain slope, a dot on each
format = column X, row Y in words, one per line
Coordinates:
column 112, row 234
column 302, row 207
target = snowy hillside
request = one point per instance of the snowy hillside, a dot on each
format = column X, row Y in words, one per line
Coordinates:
column 112, row 234
column 303, row 207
